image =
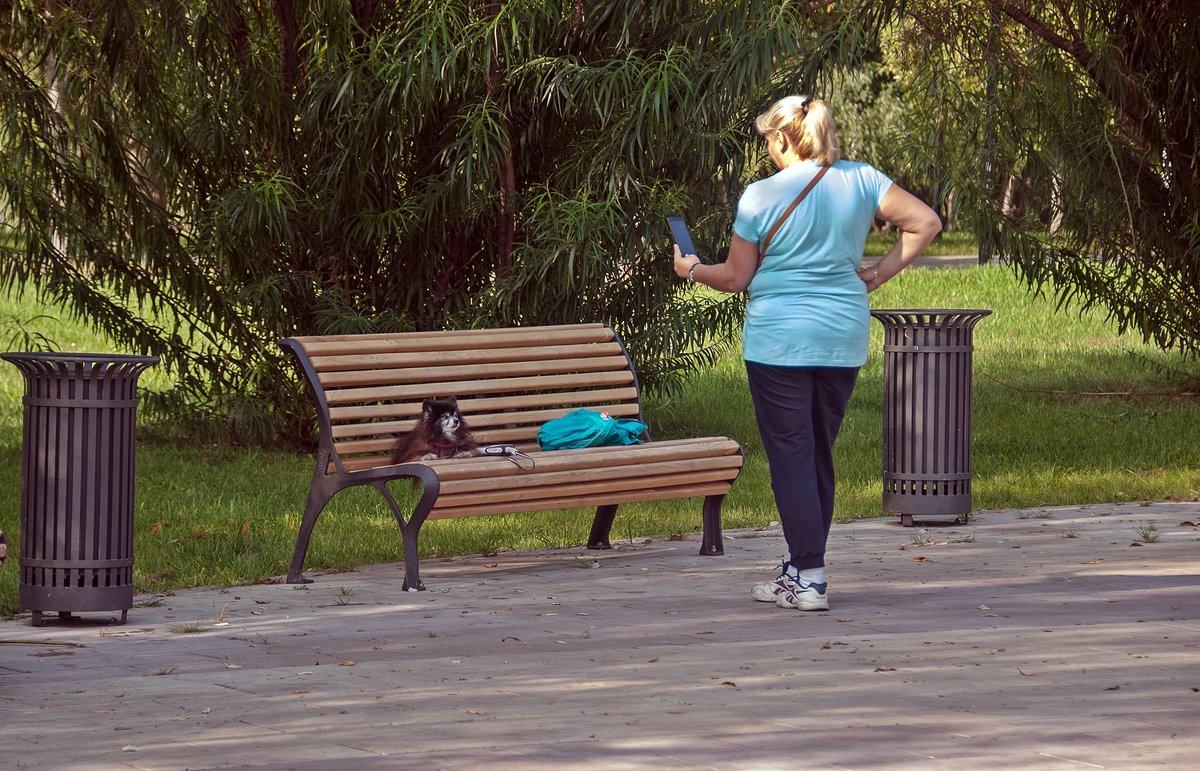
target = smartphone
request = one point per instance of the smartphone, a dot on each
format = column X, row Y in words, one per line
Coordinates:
column 679, row 231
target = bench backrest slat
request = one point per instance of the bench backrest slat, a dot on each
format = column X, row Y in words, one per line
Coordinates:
column 387, row 361
column 508, row 382
column 434, row 371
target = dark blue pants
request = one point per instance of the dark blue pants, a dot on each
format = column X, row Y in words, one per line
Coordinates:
column 799, row 412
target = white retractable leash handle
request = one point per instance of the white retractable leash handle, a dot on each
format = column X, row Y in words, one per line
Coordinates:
column 510, row 452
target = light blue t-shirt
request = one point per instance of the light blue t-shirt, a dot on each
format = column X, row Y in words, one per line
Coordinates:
column 808, row 307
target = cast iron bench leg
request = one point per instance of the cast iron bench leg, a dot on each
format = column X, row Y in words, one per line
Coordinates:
column 410, row 530
column 601, row 525
column 712, row 544
column 319, row 493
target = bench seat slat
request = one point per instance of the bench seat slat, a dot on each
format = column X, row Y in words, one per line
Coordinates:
column 580, row 501
column 592, row 457
column 471, row 387
column 431, row 371
column 569, row 489
column 662, row 471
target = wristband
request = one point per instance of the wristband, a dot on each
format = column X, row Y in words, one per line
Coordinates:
column 692, row 271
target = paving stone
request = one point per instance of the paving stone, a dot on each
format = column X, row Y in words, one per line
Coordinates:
column 1035, row 639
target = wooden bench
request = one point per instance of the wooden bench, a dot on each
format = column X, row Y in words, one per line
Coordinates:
column 368, row 388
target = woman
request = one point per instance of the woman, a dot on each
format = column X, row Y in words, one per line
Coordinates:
column 806, row 327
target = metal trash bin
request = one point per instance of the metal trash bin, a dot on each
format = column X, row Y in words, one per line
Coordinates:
column 927, row 412
column 77, row 474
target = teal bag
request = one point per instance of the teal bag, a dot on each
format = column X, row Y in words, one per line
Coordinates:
column 586, row 428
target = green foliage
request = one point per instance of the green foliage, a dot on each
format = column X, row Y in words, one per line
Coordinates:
column 1066, row 136
column 200, row 178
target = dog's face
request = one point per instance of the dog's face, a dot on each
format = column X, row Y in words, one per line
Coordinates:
column 442, row 415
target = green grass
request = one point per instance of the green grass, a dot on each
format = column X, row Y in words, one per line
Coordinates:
column 953, row 244
column 217, row 515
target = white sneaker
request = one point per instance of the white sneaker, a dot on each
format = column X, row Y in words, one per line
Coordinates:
column 802, row 596
column 768, row 591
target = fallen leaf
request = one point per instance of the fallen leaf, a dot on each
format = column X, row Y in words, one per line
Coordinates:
column 346, row 663
column 1135, row 543
column 206, row 710
column 885, row 669
column 730, row 683
column 491, row 564
column 477, row 712
column 1113, row 688
column 653, row 660
column 1188, row 523
column 984, row 607
column 233, row 666
column 1092, row 562
column 300, row 691
column 920, row 559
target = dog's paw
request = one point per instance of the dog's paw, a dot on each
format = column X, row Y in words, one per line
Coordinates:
column 429, row 456
column 464, row 454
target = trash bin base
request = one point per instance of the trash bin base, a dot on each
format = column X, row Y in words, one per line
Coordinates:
column 906, row 520
column 67, row 617
column 67, row 599
column 940, row 506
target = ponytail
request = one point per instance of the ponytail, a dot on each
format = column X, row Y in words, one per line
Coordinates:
column 808, row 125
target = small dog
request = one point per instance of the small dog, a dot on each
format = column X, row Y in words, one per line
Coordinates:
column 441, row 432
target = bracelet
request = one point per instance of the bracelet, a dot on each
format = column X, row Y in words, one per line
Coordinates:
column 692, row 271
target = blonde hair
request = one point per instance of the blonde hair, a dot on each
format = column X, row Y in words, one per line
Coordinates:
column 808, row 125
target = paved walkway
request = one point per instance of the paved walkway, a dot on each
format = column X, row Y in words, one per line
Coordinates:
column 1054, row 638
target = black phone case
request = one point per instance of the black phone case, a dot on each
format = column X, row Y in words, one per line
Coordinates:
column 679, row 231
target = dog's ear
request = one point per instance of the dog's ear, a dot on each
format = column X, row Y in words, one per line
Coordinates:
column 452, row 402
column 426, row 407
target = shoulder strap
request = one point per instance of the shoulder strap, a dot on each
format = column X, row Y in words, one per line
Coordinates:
column 762, row 250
